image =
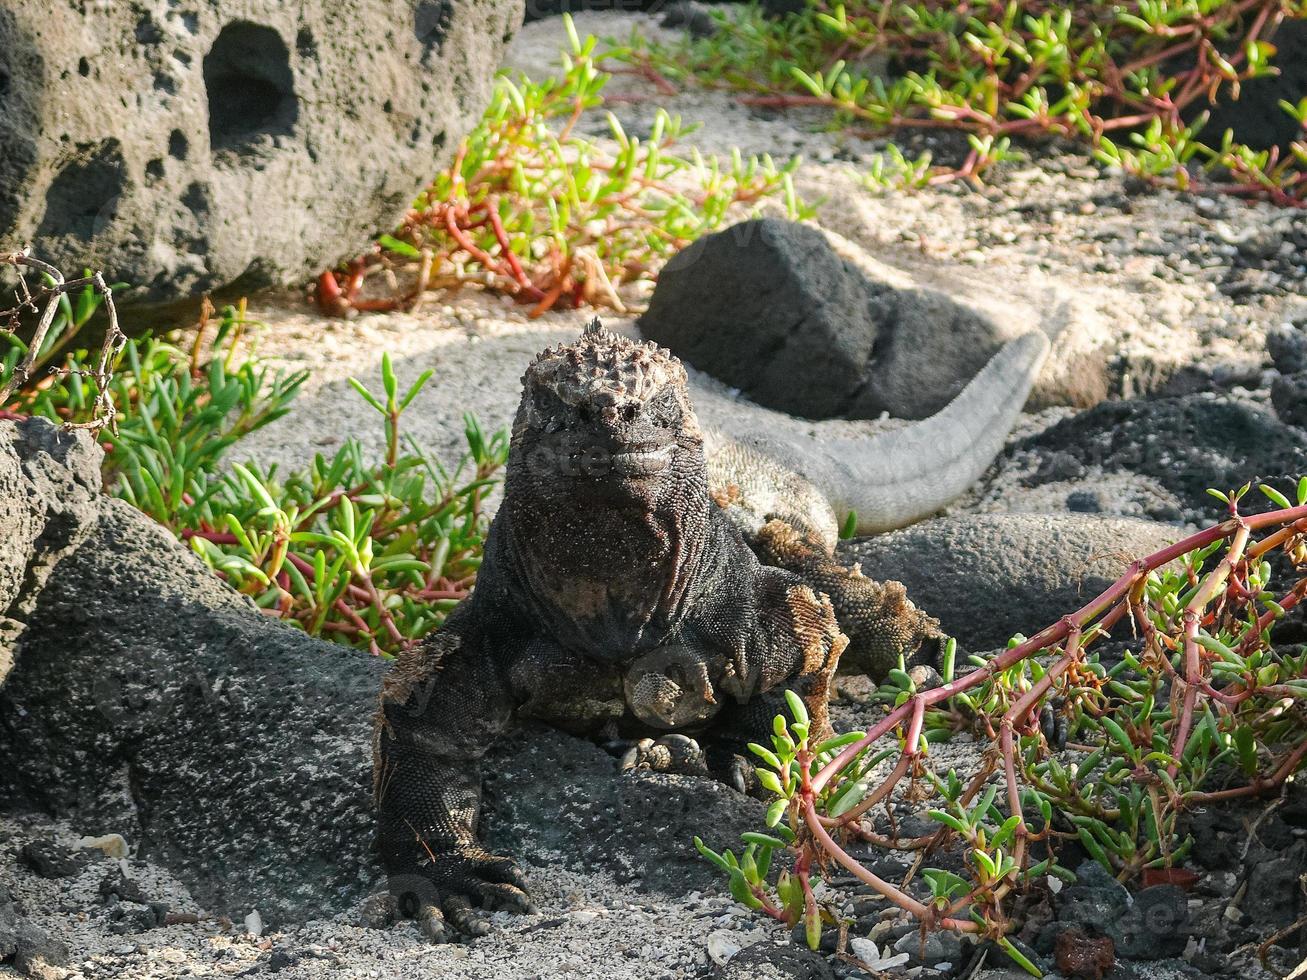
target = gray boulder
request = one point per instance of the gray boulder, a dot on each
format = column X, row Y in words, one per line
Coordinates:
column 29, row 949
column 989, row 576
column 772, row 308
column 1289, row 396
column 1287, row 345
column 182, row 148
column 151, row 700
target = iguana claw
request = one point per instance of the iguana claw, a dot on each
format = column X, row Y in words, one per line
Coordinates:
column 457, row 892
column 670, row 753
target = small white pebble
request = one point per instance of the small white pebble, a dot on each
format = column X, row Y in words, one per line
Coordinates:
column 864, row 949
column 114, row 845
column 721, row 947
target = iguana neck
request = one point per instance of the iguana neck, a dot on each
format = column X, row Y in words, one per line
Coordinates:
column 607, row 577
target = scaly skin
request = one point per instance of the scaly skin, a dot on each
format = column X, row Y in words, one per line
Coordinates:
column 617, row 593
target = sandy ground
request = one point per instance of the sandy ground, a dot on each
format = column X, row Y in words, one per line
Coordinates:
column 1155, row 281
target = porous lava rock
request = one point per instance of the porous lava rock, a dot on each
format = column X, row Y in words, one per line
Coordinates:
column 49, row 486
column 1186, row 444
column 182, row 147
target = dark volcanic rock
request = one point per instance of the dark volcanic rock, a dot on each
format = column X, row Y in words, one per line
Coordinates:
column 1289, row 396
column 1186, row 444
column 28, row 948
column 1287, row 345
column 988, row 576
column 768, row 961
column 1273, row 899
column 549, row 794
column 769, row 307
column 50, row 859
column 1156, row 926
column 152, row 700
column 49, row 486
column 182, row 148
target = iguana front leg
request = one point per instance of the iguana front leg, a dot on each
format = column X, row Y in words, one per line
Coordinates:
column 881, row 622
column 442, row 706
column 797, row 643
column 786, row 638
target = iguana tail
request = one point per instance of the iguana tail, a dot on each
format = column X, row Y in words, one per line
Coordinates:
column 897, row 477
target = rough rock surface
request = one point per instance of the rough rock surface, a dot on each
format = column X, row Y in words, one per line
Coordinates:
column 988, row 576
column 1289, row 396
column 49, row 480
column 550, row 797
column 182, row 148
column 1287, row 346
column 24, row 945
column 770, row 307
column 766, row 961
column 152, row 700
column 1185, row 444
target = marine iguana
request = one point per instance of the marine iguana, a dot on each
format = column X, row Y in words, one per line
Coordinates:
column 643, row 578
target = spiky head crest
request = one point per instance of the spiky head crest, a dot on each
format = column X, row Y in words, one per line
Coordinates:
column 604, row 370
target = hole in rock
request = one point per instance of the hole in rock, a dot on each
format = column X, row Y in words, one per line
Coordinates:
column 83, row 197
column 250, row 87
column 431, row 22
column 178, row 146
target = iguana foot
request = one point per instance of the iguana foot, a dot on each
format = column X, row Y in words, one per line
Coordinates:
column 670, row 753
column 457, row 892
column 683, row 755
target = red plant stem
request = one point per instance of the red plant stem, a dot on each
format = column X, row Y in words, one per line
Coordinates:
column 1057, row 632
column 217, row 537
column 506, row 246
column 809, row 899
column 876, row 795
column 1193, row 658
column 1255, row 787
column 383, row 614
column 879, row 885
column 341, row 607
column 485, row 258
column 914, row 729
column 547, row 301
column 1270, row 616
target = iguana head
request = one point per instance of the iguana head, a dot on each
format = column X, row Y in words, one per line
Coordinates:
column 604, row 409
column 606, row 493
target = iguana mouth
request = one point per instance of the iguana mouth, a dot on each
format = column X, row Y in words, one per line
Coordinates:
column 642, row 462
